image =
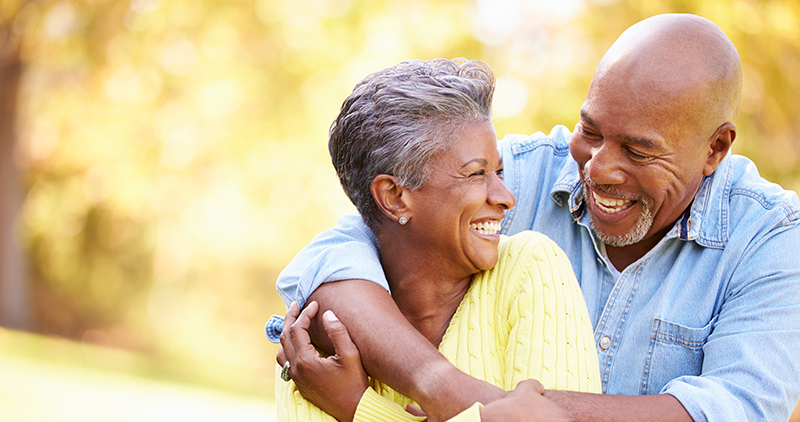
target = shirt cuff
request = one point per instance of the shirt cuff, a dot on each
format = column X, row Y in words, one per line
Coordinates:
column 705, row 400
column 274, row 328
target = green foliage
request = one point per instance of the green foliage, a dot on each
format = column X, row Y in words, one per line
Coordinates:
column 175, row 156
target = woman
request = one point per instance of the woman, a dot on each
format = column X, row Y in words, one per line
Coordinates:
column 416, row 153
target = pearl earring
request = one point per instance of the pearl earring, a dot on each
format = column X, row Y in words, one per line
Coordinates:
column 403, row 220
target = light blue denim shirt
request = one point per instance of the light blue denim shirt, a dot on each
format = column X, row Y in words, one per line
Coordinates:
column 711, row 315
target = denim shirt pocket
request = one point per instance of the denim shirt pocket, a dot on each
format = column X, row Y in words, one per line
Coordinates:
column 675, row 350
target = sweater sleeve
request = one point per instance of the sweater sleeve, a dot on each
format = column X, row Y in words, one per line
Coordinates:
column 293, row 407
column 549, row 332
column 374, row 407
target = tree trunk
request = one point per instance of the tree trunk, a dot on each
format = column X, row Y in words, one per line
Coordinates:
column 14, row 291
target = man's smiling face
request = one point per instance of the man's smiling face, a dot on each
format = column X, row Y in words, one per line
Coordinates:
column 641, row 161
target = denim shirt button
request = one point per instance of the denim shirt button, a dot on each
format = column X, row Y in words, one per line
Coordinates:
column 604, row 343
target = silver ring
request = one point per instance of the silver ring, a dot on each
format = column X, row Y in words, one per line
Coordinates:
column 285, row 372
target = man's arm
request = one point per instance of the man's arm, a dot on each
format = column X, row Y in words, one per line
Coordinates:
column 586, row 407
column 444, row 390
column 391, row 349
column 347, row 251
column 394, row 352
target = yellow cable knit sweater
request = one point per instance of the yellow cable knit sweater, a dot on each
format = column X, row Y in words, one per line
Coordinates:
column 525, row 318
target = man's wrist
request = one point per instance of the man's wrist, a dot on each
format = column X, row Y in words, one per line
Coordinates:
column 443, row 391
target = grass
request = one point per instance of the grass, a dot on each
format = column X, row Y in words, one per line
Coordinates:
column 46, row 379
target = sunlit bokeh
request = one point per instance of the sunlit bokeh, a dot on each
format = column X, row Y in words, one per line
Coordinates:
column 169, row 157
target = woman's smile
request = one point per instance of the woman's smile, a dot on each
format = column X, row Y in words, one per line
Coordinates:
column 486, row 227
column 460, row 208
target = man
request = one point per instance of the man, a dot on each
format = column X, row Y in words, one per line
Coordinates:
column 687, row 259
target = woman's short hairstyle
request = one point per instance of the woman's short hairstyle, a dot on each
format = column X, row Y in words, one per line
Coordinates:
column 396, row 120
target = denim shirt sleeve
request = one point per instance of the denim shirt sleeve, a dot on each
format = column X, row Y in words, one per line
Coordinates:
column 750, row 367
column 347, row 251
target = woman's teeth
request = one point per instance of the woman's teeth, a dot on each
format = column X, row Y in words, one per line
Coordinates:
column 487, row 227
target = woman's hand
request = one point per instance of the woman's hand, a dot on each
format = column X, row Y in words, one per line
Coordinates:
column 524, row 404
column 334, row 384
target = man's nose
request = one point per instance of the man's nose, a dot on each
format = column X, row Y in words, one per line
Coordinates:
column 604, row 166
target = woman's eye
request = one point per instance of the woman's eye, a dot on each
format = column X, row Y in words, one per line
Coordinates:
column 500, row 174
column 478, row 173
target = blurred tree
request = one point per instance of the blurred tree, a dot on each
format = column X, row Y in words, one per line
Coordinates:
column 14, row 288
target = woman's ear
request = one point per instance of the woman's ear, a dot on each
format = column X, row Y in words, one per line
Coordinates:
column 390, row 197
column 719, row 147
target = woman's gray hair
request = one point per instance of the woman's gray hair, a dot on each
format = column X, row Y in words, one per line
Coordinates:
column 396, row 120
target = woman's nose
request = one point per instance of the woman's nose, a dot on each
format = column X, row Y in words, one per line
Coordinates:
column 499, row 194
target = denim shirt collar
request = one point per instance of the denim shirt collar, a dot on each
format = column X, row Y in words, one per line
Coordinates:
column 705, row 222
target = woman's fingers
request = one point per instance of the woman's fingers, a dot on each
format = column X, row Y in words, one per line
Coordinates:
column 304, row 320
column 528, row 387
column 281, row 357
column 286, row 342
column 335, row 383
column 295, row 340
column 291, row 314
column 414, row 410
column 298, row 331
column 340, row 338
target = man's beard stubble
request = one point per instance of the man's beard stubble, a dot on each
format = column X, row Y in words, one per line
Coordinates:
column 640, row 228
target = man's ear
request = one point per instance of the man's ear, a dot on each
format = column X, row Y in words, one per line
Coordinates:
column 391, row 197
column 719, row 147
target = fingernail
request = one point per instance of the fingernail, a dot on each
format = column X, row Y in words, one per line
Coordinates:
column 293, row 305
column 330, row 316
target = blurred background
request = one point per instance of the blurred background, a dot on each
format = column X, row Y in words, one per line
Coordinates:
column 162, row 160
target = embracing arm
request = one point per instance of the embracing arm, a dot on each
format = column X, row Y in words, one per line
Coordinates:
column 340, row 379
column 391, row 349
column 587, row 407
column 396, row 353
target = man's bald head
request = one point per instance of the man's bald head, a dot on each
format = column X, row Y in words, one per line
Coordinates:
column 677, row 59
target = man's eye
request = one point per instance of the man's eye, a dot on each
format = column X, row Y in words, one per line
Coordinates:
column 478, row 173
column 500, row 174
column 636, row 156
column 587, row 133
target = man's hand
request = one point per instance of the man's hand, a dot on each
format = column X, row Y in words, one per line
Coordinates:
column 525, row 404
column 334, row 384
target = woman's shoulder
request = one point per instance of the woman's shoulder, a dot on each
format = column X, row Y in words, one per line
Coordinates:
column 527, row 261
column 526, row 245
column 522, row 258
